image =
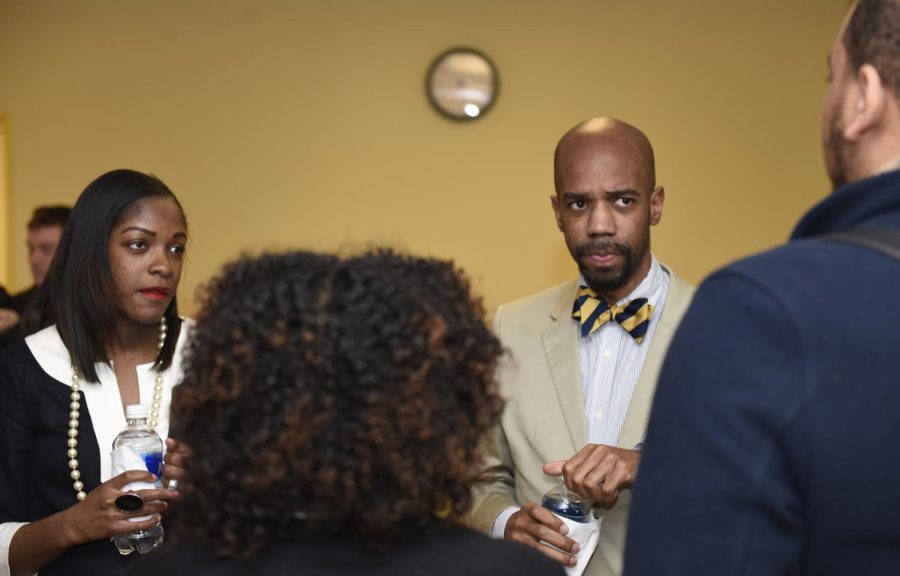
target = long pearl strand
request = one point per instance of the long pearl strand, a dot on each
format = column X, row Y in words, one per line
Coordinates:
column 158, row 385
column 75, row 413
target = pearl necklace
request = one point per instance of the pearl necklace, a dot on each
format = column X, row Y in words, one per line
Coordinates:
column 75, row 413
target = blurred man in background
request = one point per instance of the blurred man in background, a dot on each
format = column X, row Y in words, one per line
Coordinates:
column 44, row 230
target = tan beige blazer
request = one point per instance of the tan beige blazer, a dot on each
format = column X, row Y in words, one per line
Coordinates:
column 544, row 416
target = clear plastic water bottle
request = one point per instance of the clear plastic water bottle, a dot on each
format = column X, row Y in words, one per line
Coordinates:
column 146, row 442
column 563, row 502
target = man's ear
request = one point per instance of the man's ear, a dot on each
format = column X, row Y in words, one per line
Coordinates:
column 866, row 107
column 554, row 200
column 657, row 199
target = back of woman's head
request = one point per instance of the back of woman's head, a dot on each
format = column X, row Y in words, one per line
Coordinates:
column 350, row 392
column 77, row 294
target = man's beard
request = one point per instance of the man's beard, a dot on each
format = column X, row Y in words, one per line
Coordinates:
column 611, row 280
column 836, row 156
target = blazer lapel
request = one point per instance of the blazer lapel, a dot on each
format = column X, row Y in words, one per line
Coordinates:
column 674, row 307
column 638, row 412
column 560, row 340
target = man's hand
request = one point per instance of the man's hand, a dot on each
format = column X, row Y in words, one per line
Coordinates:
column 598, row 472
column 533, row 524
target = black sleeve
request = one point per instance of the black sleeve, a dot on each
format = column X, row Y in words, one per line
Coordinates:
column 15, row 443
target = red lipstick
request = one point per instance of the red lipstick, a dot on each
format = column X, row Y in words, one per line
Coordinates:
column 155, row 293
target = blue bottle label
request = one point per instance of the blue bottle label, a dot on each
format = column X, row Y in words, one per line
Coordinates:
column 577, row 511
column 153, row 461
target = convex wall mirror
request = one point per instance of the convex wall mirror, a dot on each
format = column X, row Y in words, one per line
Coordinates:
column 462, row 84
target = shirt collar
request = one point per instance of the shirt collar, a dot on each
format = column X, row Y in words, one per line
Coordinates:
column 872, row 202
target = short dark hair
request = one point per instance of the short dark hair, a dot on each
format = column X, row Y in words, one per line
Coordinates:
column 47, row 216
column 352, row 392
column 873, row 37
column 77, row 294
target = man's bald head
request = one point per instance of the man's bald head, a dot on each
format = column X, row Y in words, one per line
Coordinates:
column 606, row 201
column 615, row 133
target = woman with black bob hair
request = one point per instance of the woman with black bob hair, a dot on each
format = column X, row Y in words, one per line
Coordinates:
column 105, row 333
column 334, row 407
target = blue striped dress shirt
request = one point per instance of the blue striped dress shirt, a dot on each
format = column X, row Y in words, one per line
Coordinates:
column 611, row 362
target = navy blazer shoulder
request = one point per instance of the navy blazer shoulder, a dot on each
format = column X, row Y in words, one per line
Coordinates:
column 772, row 446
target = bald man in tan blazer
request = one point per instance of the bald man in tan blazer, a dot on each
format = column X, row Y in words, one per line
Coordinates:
column 606, row 200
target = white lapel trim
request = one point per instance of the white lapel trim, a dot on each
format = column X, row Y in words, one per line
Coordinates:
column 103, row 400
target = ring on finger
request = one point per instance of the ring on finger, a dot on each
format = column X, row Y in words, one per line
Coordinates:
column 129, row 502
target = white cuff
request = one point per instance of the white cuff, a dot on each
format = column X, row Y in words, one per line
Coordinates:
column 7, row 531
column 498, row 528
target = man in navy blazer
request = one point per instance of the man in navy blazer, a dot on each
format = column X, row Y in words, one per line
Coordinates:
column 773, row 445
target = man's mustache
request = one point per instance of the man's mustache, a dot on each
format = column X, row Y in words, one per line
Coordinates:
column 601, row 247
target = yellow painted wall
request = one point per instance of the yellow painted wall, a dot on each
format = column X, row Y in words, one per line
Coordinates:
column 4, row 202
column 303, row 123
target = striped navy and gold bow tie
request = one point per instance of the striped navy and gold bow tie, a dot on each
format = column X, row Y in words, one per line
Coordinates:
column 593, row 312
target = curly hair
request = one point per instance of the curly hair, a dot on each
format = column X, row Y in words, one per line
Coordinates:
column 873, row 37
column 351, row 392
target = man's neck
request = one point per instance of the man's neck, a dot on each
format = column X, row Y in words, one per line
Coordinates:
column 889, row 166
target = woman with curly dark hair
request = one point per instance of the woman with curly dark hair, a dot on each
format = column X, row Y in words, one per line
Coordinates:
column 334, row 408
